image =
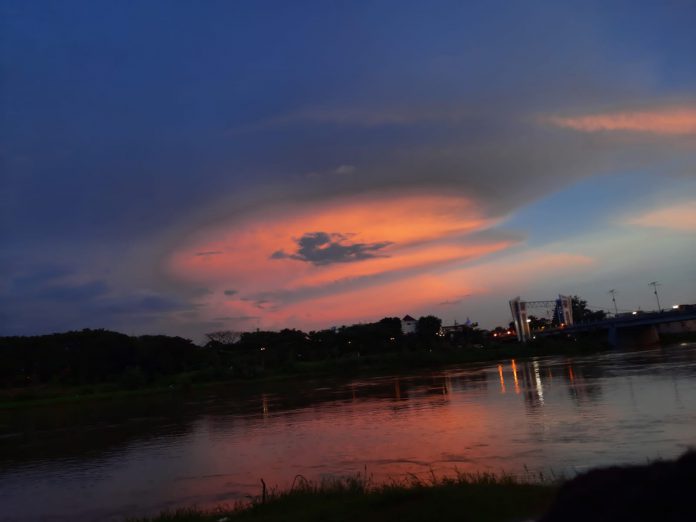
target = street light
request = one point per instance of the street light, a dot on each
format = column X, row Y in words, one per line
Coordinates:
column 613, row 298
column 655, row 284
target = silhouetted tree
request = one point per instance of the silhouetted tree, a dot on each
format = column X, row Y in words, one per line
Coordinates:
column 581, row 313
column 428, row 326
column 537, row 323
column 222, row 337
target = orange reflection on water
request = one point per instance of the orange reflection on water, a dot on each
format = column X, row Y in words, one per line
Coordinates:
column 502, row 379
column 514, row 375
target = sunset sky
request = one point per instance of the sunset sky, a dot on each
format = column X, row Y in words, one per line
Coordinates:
column 181, row 167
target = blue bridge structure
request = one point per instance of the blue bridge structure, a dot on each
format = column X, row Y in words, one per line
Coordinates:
column 637, row 328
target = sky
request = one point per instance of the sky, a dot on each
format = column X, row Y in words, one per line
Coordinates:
column 184, row 167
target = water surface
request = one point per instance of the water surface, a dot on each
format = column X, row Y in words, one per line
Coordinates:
column 553, row 415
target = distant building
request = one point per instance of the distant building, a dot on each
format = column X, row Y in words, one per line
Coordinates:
column 408, row 325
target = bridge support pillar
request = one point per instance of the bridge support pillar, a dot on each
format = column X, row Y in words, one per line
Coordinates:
column 633, row 337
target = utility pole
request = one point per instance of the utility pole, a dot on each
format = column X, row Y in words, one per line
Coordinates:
column 613, row 298
column 655, row 284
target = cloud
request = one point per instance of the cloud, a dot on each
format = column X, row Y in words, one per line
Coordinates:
column 237, row 318
column 208, row 253
column 453, row 301
column 230, row 293
column 322, row 248
column 46, row 299
column 387, row 241
column 679, row 216
column 344, row 169
column 669, row 121
column 75, row 292
column 363, row 117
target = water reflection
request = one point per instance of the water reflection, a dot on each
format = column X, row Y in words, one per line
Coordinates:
column 117, row 458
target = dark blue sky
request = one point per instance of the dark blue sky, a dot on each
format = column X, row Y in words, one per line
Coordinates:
column 131, row 131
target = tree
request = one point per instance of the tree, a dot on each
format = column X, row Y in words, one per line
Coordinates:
column 581, row 313
column 224, row 337
column 428, row 326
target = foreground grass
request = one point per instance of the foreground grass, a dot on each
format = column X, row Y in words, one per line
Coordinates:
column 479, row 497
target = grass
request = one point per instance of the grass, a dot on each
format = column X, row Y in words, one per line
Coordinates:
column 480, row 497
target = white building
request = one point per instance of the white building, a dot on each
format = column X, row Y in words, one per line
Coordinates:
column 408, row 325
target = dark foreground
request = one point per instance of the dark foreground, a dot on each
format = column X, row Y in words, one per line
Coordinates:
column 659, row 491
column 466, row 497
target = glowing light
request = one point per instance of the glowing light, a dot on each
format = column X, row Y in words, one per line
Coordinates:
column 502, row 379
column 537, row 379
column 514, row 376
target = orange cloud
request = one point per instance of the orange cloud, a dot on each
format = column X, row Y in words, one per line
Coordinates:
column 669, row 121
column 417, row 252
column 681, row 216
column 348, row 258
column 244, row 251
column 422, row 291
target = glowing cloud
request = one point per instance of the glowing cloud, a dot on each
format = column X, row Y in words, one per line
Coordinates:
column 335, row 260
column 680, row 216
column 670, row 121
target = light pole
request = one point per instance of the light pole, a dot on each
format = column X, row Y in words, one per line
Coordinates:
column 613, row 298
column 655, row 284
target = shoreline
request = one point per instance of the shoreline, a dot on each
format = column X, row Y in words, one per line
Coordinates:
column 352, row 367
column 480, row 497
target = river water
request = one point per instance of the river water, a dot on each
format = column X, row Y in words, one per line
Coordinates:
column 552, row 416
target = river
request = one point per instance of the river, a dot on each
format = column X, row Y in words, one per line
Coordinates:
column 106, row 460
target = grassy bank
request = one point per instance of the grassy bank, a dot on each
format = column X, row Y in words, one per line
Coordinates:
column 480, row 497
column 346, row 367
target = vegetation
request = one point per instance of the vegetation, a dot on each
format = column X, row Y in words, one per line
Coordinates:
column 480, row 497
column 95, row 363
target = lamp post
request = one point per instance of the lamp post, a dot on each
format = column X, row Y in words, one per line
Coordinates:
column 613, row 298
column 655, row 284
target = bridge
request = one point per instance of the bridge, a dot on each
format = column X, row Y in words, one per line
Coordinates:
column 633, row 328
column 640, row 328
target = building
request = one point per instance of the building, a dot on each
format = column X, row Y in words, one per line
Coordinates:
column 408, row 325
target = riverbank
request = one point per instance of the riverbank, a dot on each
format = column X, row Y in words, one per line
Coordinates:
column 480, row 497
column 346, row 367
column 660, row 490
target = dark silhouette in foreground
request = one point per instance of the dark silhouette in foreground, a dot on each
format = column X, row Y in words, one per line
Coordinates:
column 662, row 491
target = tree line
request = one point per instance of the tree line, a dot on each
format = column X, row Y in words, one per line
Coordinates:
column 98, row 356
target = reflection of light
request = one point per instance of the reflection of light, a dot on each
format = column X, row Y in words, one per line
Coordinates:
column 571, row 376
column 502, row 379
column 264, row 405
column 514, row 376
column 397, row 390
column 537, row 379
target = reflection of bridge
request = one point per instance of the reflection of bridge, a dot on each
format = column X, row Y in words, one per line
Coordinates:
column 641, row 328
